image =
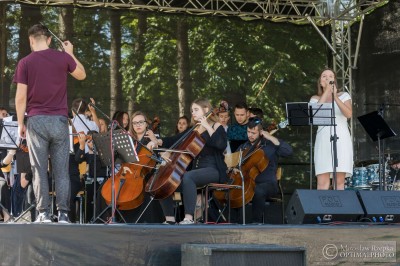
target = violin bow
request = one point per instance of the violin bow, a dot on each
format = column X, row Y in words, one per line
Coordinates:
column 55, row 36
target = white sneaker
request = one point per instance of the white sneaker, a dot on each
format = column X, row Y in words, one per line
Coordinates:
column 187, row 221
column 43, row 217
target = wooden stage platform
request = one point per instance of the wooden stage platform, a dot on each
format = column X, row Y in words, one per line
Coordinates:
column 157, row 244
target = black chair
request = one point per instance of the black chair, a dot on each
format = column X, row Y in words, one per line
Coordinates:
column 279, row 197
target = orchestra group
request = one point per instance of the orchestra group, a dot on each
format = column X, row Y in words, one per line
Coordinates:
column 62, row 151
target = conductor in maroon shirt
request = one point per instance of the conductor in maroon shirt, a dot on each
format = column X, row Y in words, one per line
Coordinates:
column 41, row 79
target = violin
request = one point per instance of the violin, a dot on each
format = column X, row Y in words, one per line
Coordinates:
column 76, row 139
column 274, row 127
column 23, row 146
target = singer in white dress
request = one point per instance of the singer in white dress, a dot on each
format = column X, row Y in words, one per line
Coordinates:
column 323, row 149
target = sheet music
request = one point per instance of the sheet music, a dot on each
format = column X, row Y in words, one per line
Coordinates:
column 297, row 114
column 321, row 114
column 9, row 134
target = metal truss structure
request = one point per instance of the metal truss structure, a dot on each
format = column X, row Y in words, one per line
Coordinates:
column 296, row 11
column 340, row 14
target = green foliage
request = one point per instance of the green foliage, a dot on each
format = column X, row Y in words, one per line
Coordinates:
column 267, row 64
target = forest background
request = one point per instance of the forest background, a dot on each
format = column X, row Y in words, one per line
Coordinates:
column 160, row 63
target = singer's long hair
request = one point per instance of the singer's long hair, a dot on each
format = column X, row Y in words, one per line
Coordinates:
column 320, row 90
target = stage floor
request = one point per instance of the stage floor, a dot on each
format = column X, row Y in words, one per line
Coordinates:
column 157, row 244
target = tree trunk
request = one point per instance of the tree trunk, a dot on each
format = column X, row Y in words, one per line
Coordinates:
column 66, row 28
column 5, row 82
column 184, row 82
column 31, row 15
column 115, row 62
column 139, row 54
column 66, row 25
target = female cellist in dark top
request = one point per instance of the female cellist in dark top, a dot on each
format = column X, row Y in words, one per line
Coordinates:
column 139, row 129
column 207, row 167
column 131, row 194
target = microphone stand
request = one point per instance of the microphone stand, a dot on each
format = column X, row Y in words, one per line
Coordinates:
column 381, row 154
column 334, row 138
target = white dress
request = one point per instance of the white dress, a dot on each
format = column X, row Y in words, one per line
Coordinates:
column 323, row 149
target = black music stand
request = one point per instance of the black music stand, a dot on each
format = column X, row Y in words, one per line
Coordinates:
column 9, row 136
column 124, row 150
column 121, row 149
column 298, row 114
column 307, row 114
column 377, row 129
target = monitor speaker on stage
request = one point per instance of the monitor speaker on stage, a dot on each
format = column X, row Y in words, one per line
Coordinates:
column 323, row 206
column 381, row 206
column 241, row 254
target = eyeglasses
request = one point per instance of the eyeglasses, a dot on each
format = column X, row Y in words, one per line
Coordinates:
column 138, row 123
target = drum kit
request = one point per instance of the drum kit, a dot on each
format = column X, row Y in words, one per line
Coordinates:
column 366, row 174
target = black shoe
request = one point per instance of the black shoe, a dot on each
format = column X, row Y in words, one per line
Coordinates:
column 43, row 217
column 63, row 217
column 169, row 222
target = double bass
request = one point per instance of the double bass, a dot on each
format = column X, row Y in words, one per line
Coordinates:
column 168, row 177
column 253, row 163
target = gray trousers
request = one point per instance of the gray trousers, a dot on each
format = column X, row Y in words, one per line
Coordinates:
column 47, row 136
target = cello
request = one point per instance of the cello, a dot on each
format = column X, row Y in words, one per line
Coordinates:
column 253, row 163
column 131, row 177
column 129, row 181
column 168, row 176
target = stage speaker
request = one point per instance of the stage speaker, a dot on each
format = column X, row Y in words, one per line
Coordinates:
column 381, row 206
column 241, row 254
column 322, row 206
